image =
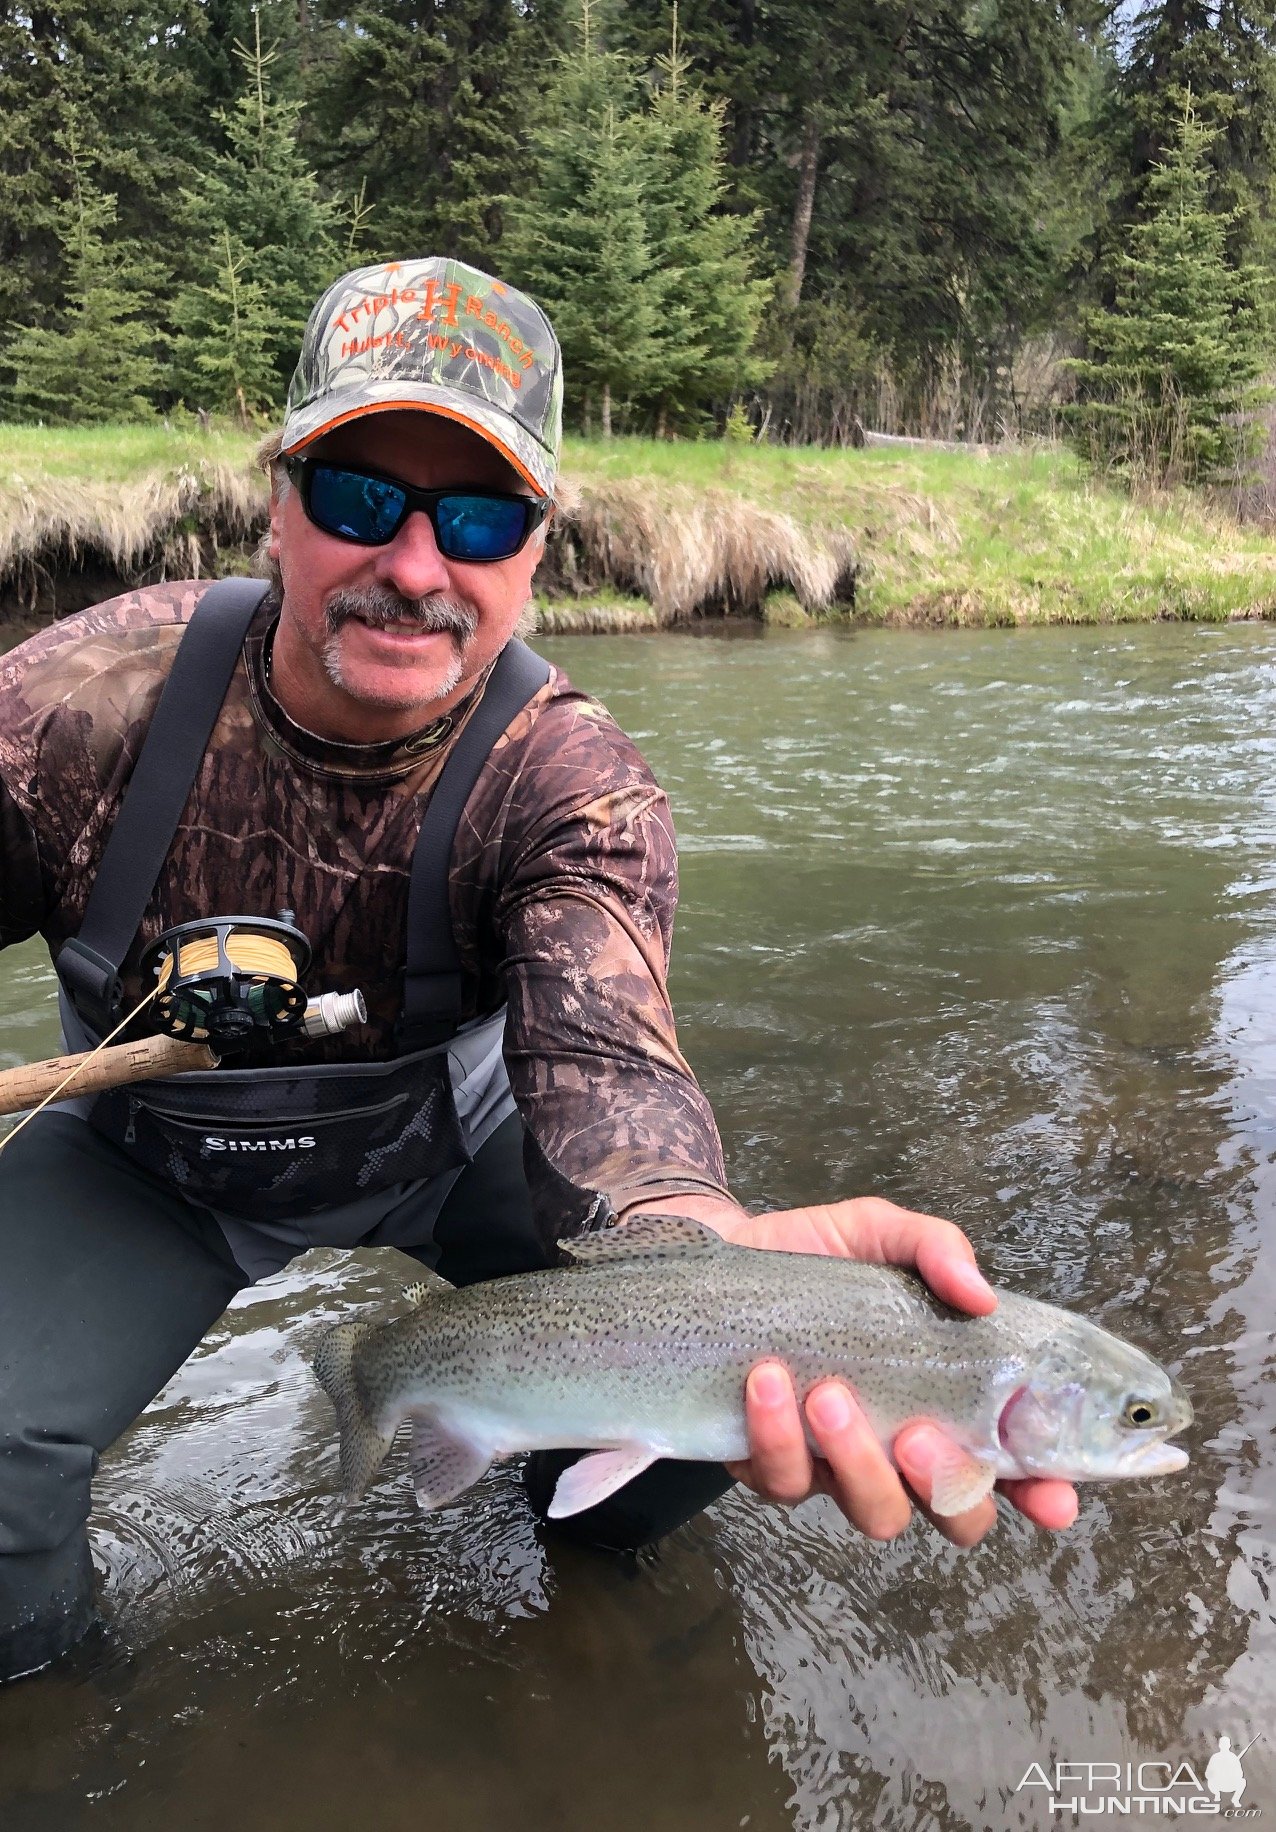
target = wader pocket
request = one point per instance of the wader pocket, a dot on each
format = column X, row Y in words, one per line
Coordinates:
column 267, row 1144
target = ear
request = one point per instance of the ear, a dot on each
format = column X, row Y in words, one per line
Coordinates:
column 278, row 496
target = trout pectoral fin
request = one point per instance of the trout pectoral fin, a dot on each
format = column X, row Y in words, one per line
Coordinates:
column 960, row 1481
column 595, row 1477
column 443, row 1466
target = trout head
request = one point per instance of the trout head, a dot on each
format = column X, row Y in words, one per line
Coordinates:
column 1093, row 1407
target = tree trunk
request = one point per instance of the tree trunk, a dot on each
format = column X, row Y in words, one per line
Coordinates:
column 803, row 207
column 744, row 112
column 587, row 415
column 606, row 414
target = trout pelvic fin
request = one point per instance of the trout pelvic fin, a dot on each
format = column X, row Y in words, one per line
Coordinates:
column 363, row 1446
column 646, row 1237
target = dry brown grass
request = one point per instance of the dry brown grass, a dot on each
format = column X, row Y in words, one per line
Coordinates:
column 164, row 525
column 595, row 619
column 687, row 551
column 694, row 551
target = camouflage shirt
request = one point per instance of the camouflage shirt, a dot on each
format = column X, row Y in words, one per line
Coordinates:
column 563, row 876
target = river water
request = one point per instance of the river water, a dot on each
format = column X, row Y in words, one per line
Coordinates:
column 985, row 922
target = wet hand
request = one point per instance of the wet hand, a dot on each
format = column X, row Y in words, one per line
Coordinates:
column 851, row 1465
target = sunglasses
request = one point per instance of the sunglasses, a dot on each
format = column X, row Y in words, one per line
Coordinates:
column 364, row 506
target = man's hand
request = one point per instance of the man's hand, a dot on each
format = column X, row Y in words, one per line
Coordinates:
column 852, row 1466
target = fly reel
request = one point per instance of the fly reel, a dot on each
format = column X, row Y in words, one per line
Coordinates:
column 226, row 980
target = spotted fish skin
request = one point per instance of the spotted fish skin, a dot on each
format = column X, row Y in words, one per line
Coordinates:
column 639, row 1349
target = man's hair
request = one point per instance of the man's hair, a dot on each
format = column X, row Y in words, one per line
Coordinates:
column 269, row 460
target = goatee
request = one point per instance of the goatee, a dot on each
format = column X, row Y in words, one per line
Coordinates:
column 379, row 607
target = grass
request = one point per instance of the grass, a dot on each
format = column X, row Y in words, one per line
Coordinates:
column 118, row 454
column 883, row 535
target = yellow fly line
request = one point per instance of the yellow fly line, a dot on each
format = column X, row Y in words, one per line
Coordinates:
column 262, row 955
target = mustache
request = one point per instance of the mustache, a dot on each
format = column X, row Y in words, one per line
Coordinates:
column 380, row 606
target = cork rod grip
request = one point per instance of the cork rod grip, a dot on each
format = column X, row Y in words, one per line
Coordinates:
column 146, row 1060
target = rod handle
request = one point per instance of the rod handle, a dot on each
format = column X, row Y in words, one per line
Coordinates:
column 146, row 1060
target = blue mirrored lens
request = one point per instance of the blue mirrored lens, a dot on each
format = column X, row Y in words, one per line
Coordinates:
column 480, row 527
column 359, row 508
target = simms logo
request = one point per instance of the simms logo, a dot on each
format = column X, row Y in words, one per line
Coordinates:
column 1090, row 1789
column 303, row 1143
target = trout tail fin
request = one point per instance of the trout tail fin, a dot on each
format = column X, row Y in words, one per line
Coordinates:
column 363, row 1444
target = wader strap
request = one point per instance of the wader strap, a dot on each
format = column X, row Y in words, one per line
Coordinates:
column 171, row 753
column 432, row 986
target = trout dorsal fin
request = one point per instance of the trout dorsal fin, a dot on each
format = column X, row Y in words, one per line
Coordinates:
column 646, row 1237
column 429, row 1285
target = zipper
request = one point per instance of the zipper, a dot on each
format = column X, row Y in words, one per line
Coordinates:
column 222, row 1124
column 130, row 1133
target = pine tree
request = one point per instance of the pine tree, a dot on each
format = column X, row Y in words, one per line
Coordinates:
column 429, row 102
column 234, row 359
column 580, row 245
column 268, row 242
column 109, row 74
column 1226, row 57
column 95, row 359
column 712, row 300
column 1174, row 365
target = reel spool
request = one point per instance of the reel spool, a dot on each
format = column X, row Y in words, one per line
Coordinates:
column 227, row 978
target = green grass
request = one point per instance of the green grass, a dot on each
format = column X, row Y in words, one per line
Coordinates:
column 1014, row 537
column 118, row 454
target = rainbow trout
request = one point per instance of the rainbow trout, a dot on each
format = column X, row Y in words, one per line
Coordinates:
column 639, row 1349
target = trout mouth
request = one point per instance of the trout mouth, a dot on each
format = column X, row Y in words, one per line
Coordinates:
column 1156, row 1459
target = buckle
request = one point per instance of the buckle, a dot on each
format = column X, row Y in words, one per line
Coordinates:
column 92, row 981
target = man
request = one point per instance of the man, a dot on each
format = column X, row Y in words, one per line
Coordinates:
column 519, row 1075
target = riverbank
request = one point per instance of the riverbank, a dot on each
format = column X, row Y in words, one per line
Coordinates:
column 653, row 534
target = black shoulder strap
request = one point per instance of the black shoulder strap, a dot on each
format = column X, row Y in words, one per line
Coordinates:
column 174, row 746
column 432, row 987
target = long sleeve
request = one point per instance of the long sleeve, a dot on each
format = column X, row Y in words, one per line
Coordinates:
column 577, row 846
column 23, row 892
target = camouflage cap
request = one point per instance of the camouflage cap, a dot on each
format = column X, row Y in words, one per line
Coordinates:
column 440, row 336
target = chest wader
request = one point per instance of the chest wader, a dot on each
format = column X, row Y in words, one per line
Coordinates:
column 280, row 1142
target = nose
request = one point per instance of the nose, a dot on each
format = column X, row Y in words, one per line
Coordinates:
column 411, row 563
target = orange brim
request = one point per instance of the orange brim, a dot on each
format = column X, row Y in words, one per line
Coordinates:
column 443, row 413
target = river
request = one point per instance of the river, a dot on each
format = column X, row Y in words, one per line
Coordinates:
column 985, row 922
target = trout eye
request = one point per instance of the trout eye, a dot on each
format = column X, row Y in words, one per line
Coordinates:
column 1139, row 1412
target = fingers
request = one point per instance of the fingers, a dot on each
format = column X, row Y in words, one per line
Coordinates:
column 853, row 1468
column 1044, row 1501
column 940, row 1252
column 869, row 1228
column 851, row 1465
column 779, row 1466
column 860, row 1476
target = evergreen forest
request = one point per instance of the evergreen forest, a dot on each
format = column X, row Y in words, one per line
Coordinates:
column 786, row 218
